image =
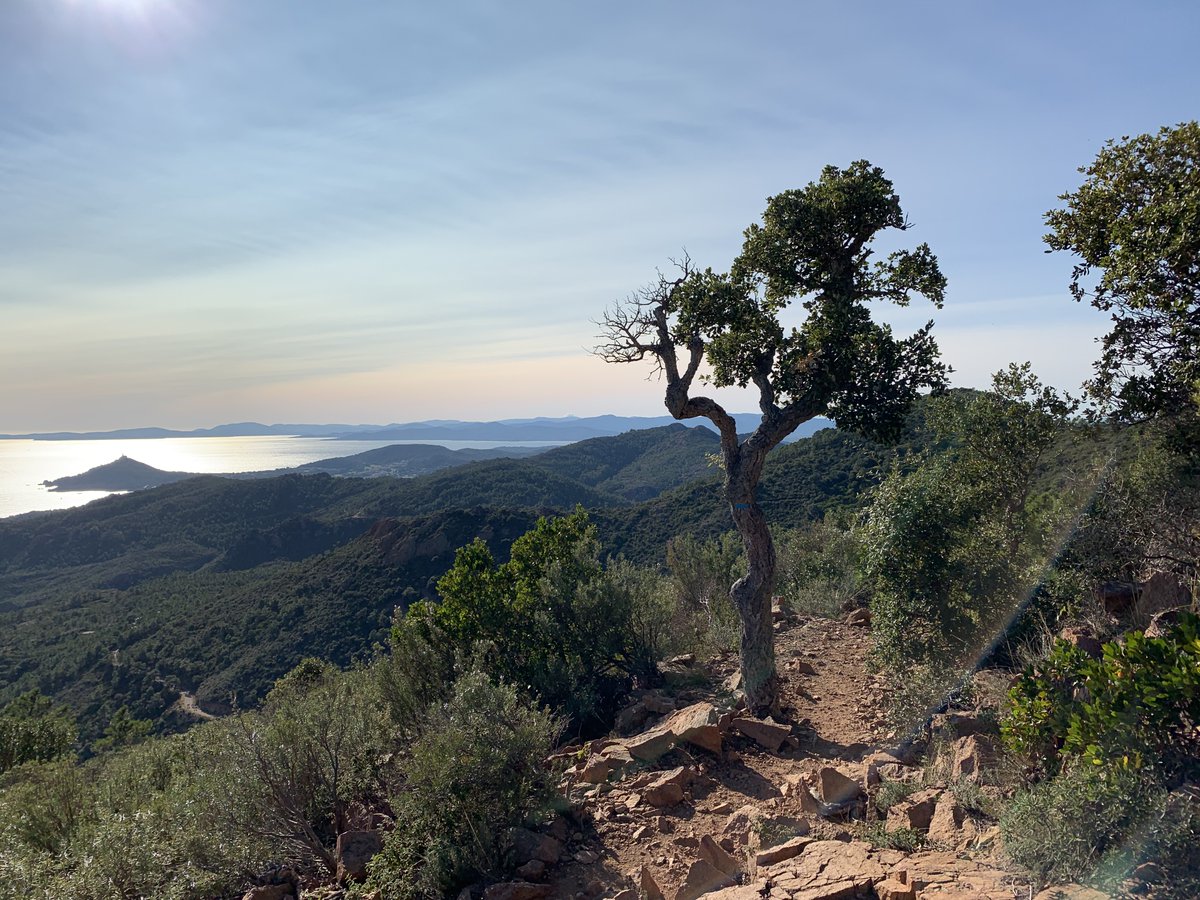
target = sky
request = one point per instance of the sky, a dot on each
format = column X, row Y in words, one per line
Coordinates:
column 375, row 211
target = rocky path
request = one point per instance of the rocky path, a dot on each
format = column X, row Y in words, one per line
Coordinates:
column 692, row 798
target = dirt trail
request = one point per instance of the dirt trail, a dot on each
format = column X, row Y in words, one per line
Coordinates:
column 834, row 708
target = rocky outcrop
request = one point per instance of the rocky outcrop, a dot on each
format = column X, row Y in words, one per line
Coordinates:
column 354, row 850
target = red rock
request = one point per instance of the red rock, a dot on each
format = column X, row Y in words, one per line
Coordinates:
column 836, row 787
column 914, row 812
column 972, row 755
column 667, row 789
column 741, row 822
column 702, row 878
column 596, row 770
column 532, row 870
column 859, row 617
column 1082, row 638
column 650, row 745
column 780, row 852
column 718, row 857
column 696, row 724
column 354, row 850
column 650, row 888
column 890, row 889
column 767, row 734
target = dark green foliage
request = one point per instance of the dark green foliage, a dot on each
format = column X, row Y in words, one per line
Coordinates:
column 1064, row 828
column 814, row 246
column 33, row 729
column 474, row 773
column 546, row 620
column 638, row 465
column 951, row 549
column 200, row 586
column 124, row 730
column 1136, row 707
column 1135, row 220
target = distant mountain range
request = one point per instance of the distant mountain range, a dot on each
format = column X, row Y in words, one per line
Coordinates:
column 563, row 429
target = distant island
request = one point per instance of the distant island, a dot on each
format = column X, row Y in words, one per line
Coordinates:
column 122, row 474
column 398, row 461
column 562, row 430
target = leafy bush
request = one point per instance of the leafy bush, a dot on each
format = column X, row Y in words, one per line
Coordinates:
column 1139, row 705
column 702, row 572
column 148, row 821
column 33, row 729
column 473, row 775
column 1065, row 827
column 952, row 548
column 548, row 620
column 315, row 747
column 818, row 569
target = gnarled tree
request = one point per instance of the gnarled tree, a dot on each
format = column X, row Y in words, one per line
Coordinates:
column 1134, row 224
column 813, row 250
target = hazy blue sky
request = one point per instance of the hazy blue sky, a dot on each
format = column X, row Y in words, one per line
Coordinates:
column 300, row 210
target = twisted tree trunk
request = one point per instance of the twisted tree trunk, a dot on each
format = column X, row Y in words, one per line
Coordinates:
column 751, row 594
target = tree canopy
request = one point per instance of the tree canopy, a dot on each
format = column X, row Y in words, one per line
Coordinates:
column 1135, row 225
column 812, row 250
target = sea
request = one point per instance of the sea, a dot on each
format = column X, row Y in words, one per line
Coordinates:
column 25, row 464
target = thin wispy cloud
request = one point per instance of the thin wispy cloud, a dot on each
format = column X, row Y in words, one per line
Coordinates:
column 232, row 200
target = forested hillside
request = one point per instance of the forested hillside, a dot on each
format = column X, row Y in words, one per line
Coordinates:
column 218, row 586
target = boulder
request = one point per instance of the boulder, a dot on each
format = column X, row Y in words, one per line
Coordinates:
column 650, row 888
column 1161, row 591
column 766, row 733
column 972, row 754
column 533, row 870
column 914, row 812
column 595, row 770
column 703, row 878
column 667, row 788
column 718, row 857
column 860, row 617
column 836, row 787
column 650, row 745
column 780, row 852
column 1162, row 622
column 826, row 870
column 948, row 821
column 1082, row 637
column 697, row 725
column 952, row 875
column 354, row 850
column 529, row 845
column 741, row 824
column 890, row 889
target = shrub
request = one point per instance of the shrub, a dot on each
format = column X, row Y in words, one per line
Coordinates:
column 547, row 620
column 33, row 729
column 1065, row 827
column 702, row 572
column 1139, row 705
column 818, row 569
column 473, row 774
column 316, row 746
